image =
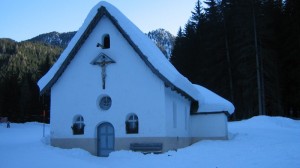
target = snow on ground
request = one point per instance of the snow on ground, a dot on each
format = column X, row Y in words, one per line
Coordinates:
column 260, row 142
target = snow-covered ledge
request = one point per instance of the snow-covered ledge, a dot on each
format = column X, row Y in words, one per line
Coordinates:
column 210, row 102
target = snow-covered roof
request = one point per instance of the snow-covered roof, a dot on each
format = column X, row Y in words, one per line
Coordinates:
column 145, row 48
column 211, row 102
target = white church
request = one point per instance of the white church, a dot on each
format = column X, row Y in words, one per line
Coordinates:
column 112, row 89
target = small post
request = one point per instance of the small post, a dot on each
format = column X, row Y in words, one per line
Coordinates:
column 44, row 116
column 7, row 124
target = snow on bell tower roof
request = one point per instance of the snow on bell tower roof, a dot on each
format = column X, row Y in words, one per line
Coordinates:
column 145, row 48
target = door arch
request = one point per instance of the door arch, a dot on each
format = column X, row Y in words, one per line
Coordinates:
column 105, row 139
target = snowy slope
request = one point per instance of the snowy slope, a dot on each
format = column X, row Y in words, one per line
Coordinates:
column 261, row 142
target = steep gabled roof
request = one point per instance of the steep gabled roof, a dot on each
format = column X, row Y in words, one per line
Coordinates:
column 142, row 45
column 145, row 48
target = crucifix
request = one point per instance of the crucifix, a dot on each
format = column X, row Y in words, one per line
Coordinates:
column 103, row 60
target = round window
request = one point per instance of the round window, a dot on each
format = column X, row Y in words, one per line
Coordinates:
column 105, row 103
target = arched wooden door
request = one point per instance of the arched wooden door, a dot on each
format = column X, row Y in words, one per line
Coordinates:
column 105, row 139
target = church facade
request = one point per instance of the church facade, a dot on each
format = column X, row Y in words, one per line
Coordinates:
column 112, row 88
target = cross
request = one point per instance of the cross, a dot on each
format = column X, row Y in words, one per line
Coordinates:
column 103, row 60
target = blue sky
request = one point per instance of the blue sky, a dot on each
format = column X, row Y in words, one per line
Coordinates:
column 24, row 19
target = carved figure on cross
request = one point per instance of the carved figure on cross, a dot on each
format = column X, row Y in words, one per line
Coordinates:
column 103, row 60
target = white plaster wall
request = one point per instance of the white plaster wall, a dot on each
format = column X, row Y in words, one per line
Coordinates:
column 209, row 126
column 129, row 82
column 181, row 129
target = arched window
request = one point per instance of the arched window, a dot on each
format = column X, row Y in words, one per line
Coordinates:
column 132, row 124
column 106, row 41
column 78, row 125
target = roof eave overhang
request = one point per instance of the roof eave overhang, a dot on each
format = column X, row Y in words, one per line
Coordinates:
column 214, row 112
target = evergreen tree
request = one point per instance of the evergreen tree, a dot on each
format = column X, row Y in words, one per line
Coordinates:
column 22, row 64
column 290, row 58
column 246, row 51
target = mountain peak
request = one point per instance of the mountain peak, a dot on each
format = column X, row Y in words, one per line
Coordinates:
column 54, row 38
column 163, row 39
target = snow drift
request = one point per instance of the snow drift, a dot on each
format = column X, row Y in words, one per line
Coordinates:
column 262, row 142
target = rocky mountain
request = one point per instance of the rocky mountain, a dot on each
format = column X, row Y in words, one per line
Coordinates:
column 162, row 38
column 54, row 38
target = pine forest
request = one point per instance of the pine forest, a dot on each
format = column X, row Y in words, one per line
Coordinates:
column 247, row 51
